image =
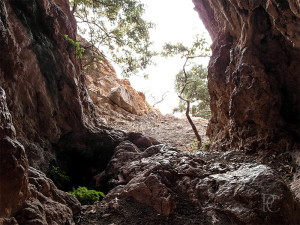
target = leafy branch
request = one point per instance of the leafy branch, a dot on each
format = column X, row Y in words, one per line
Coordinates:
column 117, row 28
column 198, row 49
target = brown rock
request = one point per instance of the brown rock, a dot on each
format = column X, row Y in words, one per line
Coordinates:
column 48, row 205
column 101, row 80
column 142, row 141
column 27, row 195
column 44, row 95
column 39, row 71
column 123, row 98
column 14, row 187
column 253, row 73
column 226, row 188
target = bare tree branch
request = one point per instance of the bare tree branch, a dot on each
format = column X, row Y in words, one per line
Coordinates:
column 162, row 99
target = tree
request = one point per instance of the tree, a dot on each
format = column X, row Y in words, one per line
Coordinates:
column 199, row 48
column 116, row 26
column 196, row 91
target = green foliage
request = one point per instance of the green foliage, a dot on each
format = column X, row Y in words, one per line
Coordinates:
column 85, row 196
column 76, row 45
column 206, row 146
column 55, row 171
column 116, row 26
column 58, row 176
column 199, row 48
column 196, row 91
column 193, row 86
column 195, row 144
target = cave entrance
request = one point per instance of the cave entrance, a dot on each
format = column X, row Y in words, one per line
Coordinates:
column 176, row 22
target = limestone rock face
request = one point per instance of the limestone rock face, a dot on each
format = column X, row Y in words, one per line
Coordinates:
column 46, row 110
column 253, row 75
column 26, row 195
column 223, row 188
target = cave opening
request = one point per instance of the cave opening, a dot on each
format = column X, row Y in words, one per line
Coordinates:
column 81, row 162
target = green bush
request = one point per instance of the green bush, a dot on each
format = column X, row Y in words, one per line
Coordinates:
column 85, row 196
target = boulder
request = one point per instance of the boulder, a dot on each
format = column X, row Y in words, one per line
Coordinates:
column 48, row 205
column 124, row 99
column 220, row 188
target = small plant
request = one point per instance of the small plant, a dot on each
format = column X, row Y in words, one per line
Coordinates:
column 58, row 176
column 206, row 146
column 55, row 171
column 195, row 144
column 85, row 196
column 78, row 49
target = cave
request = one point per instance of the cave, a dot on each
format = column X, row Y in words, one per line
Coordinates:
column 48, row 117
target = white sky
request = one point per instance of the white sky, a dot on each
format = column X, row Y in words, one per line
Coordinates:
column 176, row 21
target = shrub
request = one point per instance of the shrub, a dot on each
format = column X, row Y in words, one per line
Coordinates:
column 58, row 176
column 206, row 146
column 56, row 171
column 76, row 45
column 85, row 196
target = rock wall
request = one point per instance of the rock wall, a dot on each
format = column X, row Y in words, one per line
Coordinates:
column 46, row 92
column 253, row 75
column 38, row 86
column 46, row 113
column 13, row 161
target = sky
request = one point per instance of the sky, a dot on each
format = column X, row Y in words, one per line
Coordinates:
column 176, row 21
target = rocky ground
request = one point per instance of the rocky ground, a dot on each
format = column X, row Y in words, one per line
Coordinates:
column 163, row 185
column 167, row 129
column 174, row 183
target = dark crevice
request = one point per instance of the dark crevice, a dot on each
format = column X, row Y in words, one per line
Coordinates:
column 83, row 158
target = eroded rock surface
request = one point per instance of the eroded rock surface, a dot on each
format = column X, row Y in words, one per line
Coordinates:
column 223, row 188
column 14, row 188
column 46, row 105
column 111, row 95
column 26, row 195
column 253, row 75
column 46, row 92
column 48, row 114
column 47, row 204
